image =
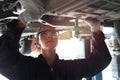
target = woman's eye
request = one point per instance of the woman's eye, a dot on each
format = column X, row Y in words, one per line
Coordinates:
column 53, row 32
column 43, row 34
column 48, row 33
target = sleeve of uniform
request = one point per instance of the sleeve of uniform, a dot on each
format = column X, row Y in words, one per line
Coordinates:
column 100, row 56
column 9, row 44
column 98, row 60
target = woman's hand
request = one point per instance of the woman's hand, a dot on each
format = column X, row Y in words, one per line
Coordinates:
column 94, row 23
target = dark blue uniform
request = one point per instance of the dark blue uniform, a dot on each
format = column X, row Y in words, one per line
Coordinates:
column 15, row 66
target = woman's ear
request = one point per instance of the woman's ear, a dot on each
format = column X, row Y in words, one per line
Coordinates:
column 38, row 46
column 33, row 45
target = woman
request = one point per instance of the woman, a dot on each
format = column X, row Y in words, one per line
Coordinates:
column 48, row 66
column 47, row 40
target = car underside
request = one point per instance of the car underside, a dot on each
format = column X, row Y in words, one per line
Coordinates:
column 63, row 14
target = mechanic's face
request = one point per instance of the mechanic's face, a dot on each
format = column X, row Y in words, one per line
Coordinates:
column 48, row 37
